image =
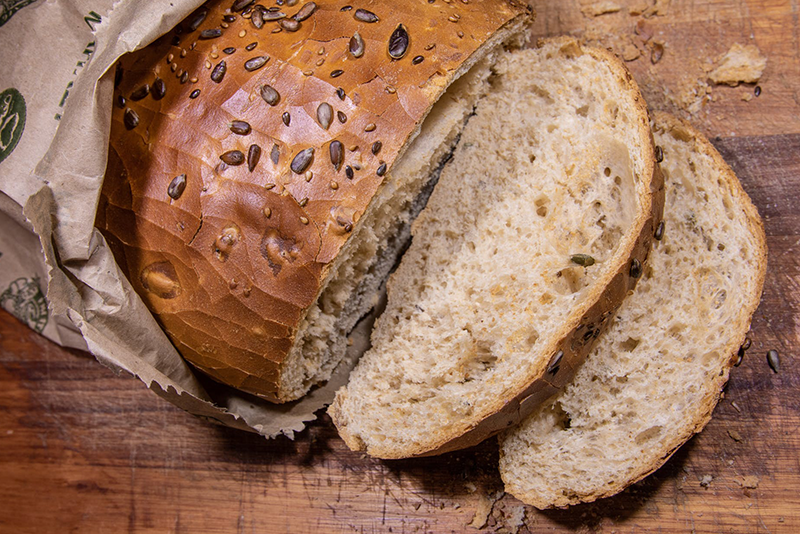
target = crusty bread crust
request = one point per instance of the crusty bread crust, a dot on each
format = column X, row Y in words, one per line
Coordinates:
column 699, row 414
column 589, row 318
column 230, row 265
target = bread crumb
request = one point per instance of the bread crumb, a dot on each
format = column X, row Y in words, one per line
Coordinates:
column 630, row 52
column 748, row 482
column 740, row 64
column 735, row 436
column 659, row 9
column 485, row 504
column 706, row 481
column 600, row 8
column 747, row 97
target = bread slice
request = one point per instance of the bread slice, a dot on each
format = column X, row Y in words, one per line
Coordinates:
column 656, row 375
column 489, row 311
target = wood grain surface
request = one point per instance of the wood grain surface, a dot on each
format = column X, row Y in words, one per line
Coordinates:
column 84, row 450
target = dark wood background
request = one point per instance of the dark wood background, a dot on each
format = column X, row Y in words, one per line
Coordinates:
column 83, row 450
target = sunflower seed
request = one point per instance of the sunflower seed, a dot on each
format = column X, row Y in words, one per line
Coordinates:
column 774, row 361
column 365, row 16
column 659, row 154
column 140, row 92
column 325, row 115
column 356, row 45
column 210, row 34
column 255, row 63
column 336, row 73
column 131, row 119
column 305, row 12
column 555, row 363
column 229, row 18
column 376, row 147
column 417, row 60
column 337, row 154
column 270, row 95
column 271, row 16
column 176, row 187
column 257, row 18
column 121, row 101
column 290, row 25
column 233, row 157
column 286, row 118
column 582, row 259
column 636, row 268
column 659, row 235
column 341, row 116
column 340, row 93
column 275, row 154
column 253, row 155
column 381, row 169
column 240, row 127
column 239, row 5
column 302, row 160
column 197, row 18
column 230, row 50
column 251, row 46
column 757, row 91
column 398, row 42
column 184, row 77
column 194, row 94
column 219, row 72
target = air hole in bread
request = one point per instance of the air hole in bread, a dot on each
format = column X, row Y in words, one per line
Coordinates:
column 629, row 345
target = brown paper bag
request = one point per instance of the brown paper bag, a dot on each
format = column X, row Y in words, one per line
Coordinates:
column 56, row 272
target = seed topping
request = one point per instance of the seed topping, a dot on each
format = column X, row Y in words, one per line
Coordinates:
column 286, row 118
column 159, row 89
column 370, row 127
column 356, row 45
column 376, row 147
column 275, row 154
column 257, row 18
column 582, row 259
column 774, row 360
column 131, row 119
column 340, row 93
column 219, row 72
column 348, row 171
column 290, row 25
column 270, row 95
column 555, row 363
column 253, row 155
column 302, row 160
column 417, row 60
column 251, row 46
column 230, row 50
column 140, row 92
column 232, row 157
column 255, row 63
column 381, row 169
column 211, row 33
column 240, row 127
column 306, row 11
column 239, row 5
column 271, row 16
column 325, row 115
column 636, row 268
column 659, row 154
column 659, row 235
column 337, row 154
column 197, row 19
column 194, row 94
column 398, row 42
column 341, row 116
column 363, row 15
column 336, row 73
column 176, row 187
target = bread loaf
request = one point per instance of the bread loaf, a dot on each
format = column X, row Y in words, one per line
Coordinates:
column 538, row 228
column 264, row 163
column 655, row 377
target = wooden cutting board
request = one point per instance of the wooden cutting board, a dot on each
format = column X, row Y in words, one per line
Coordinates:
column 83, row 450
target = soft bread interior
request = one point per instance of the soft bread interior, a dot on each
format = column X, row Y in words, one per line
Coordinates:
column 654, row 378
column 546, row 169
column 382, row 234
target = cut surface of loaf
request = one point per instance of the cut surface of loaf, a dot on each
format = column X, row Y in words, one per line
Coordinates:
column 264, row 165
column 524, row 249
column 656, row 375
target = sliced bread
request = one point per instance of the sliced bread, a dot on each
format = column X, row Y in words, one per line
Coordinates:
column 535, row 233
column 655, row 376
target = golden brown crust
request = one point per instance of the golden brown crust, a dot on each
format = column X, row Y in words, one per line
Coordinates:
column 230, row 266
column 585, row 324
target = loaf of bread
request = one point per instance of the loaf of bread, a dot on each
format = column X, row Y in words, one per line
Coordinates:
column 538, row 228
column 265, row 163
column 657, row 374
